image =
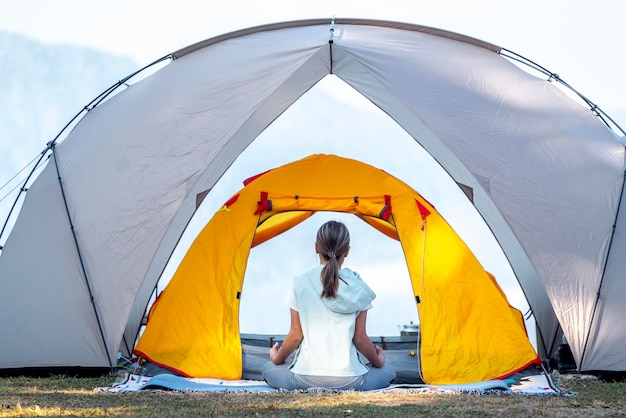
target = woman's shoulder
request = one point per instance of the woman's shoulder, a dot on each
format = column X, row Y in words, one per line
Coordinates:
column 312, row 275
column 349, row 273
column 313, row 272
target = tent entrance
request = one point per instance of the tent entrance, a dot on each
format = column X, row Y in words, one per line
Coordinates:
column 378, row 258
column 469, row 331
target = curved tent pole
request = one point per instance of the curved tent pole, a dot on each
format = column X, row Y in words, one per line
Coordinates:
column 330, row 43
column 106, row 93
column 95, row 102
column 553, row 76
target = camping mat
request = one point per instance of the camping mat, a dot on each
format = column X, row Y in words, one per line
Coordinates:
column 530, row 385
column 400, row 354
column 400, row 357
column 532, row 381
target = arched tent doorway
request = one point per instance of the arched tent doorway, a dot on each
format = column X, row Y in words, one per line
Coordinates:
column 333, row 118
column 372, row 255
column 468, row 330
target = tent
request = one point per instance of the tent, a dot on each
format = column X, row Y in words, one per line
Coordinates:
column 543, row 168
column 469, row 333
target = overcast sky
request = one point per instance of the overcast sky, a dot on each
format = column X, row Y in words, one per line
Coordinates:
column 579, row 40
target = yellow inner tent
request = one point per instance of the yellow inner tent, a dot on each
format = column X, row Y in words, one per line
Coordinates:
column 469, row 332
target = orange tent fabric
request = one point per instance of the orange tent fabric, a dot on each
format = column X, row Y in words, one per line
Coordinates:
column 469, row 333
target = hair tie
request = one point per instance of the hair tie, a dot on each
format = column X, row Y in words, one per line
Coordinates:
column 331, row 254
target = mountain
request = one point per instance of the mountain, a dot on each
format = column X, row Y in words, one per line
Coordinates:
column 42, row 87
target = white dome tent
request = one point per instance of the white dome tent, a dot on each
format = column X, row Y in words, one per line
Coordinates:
column 545, row 170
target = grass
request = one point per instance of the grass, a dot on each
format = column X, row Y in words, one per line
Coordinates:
column 68, row 396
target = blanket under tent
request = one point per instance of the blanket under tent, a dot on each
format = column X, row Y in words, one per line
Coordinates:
column 400, row 353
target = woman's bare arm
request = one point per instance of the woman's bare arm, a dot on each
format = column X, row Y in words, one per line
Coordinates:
column 291, row 342
column 375, row 355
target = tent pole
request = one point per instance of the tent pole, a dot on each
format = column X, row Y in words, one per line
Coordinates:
column 330, row 44
column 80, row 257
column 606, row 262
column 611, row 124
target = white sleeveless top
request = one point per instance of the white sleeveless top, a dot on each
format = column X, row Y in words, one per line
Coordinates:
column 328, row 324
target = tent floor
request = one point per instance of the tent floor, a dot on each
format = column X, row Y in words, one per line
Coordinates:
column 400, row 353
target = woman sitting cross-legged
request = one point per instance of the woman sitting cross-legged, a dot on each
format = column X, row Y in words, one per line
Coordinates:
column 328, row 308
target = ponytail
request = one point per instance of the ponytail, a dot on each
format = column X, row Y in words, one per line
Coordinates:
column 333, row 242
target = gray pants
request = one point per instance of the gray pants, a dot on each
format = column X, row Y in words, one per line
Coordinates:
column 281, row 377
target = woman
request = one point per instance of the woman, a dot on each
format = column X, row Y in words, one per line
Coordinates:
column 328, row 308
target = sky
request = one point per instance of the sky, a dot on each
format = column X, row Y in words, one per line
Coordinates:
column 579, row 40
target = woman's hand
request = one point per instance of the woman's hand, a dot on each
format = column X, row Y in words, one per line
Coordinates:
column 375, row 355
column 291, row 342
column 274, row 356
column 381, row 355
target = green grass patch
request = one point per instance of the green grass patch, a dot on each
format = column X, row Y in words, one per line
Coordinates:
column 68, row 396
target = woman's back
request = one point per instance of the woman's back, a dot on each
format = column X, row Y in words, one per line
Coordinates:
column 328, row 324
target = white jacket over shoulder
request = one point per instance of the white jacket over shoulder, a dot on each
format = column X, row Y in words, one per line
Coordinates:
column 328, row 324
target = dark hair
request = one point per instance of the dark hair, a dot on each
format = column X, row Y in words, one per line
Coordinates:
column 333, row 241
